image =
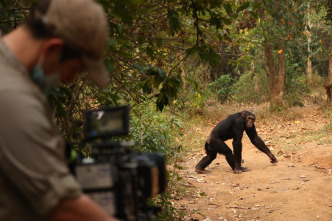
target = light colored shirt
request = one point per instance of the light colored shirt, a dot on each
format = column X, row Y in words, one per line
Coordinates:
column 34, row 176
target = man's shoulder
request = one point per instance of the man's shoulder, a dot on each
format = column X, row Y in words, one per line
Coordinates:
column 13, row 81
column 20, row 99
column 12, row 78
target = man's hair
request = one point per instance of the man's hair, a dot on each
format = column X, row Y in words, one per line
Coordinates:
column 41, row 30
column 35, row 24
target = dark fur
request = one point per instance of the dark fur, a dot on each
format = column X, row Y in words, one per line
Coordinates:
column 232, row 128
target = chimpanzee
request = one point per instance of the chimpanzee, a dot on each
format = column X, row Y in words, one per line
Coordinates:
column 232, row 128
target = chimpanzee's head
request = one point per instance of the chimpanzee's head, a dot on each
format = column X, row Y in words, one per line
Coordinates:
column 249, row 118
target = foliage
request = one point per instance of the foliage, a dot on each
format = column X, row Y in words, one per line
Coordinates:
column 153, row 131
column 170, row 86
column 315, row 82
column 157, row 34
column 195, row 97
column 295, row 83
column 147, row 35
column 168, row 212
column 222, row 87
column 295, row 96
column 327, row 4
column 283, row 20
column 194, row 93
column 282, row 24
column 178, row 188
column 252, row 88
column 12, row 13
column 321, row 50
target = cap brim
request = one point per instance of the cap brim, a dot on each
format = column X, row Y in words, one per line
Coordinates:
column 97, row 71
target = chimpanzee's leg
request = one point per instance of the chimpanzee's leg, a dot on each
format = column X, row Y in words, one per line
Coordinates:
column 221, row 147
column 205, row 161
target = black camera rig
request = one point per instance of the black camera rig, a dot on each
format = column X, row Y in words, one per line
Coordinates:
column 119, row 179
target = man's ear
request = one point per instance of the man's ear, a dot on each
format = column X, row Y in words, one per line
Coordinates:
column 52, row 46
column 50, row 55
column 243, row 114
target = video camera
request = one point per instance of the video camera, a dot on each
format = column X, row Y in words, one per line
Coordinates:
column 117, row 178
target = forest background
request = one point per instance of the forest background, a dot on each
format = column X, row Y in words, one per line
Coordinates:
column 168, row 59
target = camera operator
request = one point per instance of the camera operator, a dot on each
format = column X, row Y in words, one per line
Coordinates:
column 59, row 39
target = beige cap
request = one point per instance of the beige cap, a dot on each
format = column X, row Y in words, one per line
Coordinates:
column 83, row 26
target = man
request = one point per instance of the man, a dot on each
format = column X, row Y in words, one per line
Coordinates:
column 61, row 38
column 232, row 128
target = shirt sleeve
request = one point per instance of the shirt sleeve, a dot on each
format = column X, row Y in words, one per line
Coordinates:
column 32, row 153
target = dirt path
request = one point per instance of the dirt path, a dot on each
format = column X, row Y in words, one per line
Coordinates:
column 299, row 187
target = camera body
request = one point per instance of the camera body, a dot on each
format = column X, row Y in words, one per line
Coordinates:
column 117, row 178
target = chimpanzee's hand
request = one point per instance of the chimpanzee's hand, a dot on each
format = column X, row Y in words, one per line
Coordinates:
column 273, row 158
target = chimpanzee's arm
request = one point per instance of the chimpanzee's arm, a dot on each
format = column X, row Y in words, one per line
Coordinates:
column 259, row 143
column 256, row 140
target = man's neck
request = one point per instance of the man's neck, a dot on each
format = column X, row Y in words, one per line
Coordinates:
column 24, row 46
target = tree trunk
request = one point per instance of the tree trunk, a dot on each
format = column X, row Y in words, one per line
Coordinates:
column 183, row 72
column 281, row 74
column 309, row 63
column 276, row 78
column 328, row 83
column 255, row 79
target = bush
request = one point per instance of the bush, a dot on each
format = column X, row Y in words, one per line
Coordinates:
column 252, row 88
column 154, row 131
column 223, row 88
column 297, row 88
column 194, row 97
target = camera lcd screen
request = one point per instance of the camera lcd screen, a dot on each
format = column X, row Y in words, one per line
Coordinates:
column 105, row 123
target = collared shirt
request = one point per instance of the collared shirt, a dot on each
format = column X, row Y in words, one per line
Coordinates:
column 33, row 174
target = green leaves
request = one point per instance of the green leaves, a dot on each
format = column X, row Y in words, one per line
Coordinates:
column 244, row 6
column 168, row 86
column 216, row 20
column 169, row 91
column 58, row 99
column 156, row 77
column 256, row 6
column 227, row 21
column 174, row 21
column 228, row 9
column 121, row 10
column 153, row 33
column 222, row 87
column 206, row 53
column 125, row 10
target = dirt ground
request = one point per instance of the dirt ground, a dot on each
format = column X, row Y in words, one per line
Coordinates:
column 298, row 187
